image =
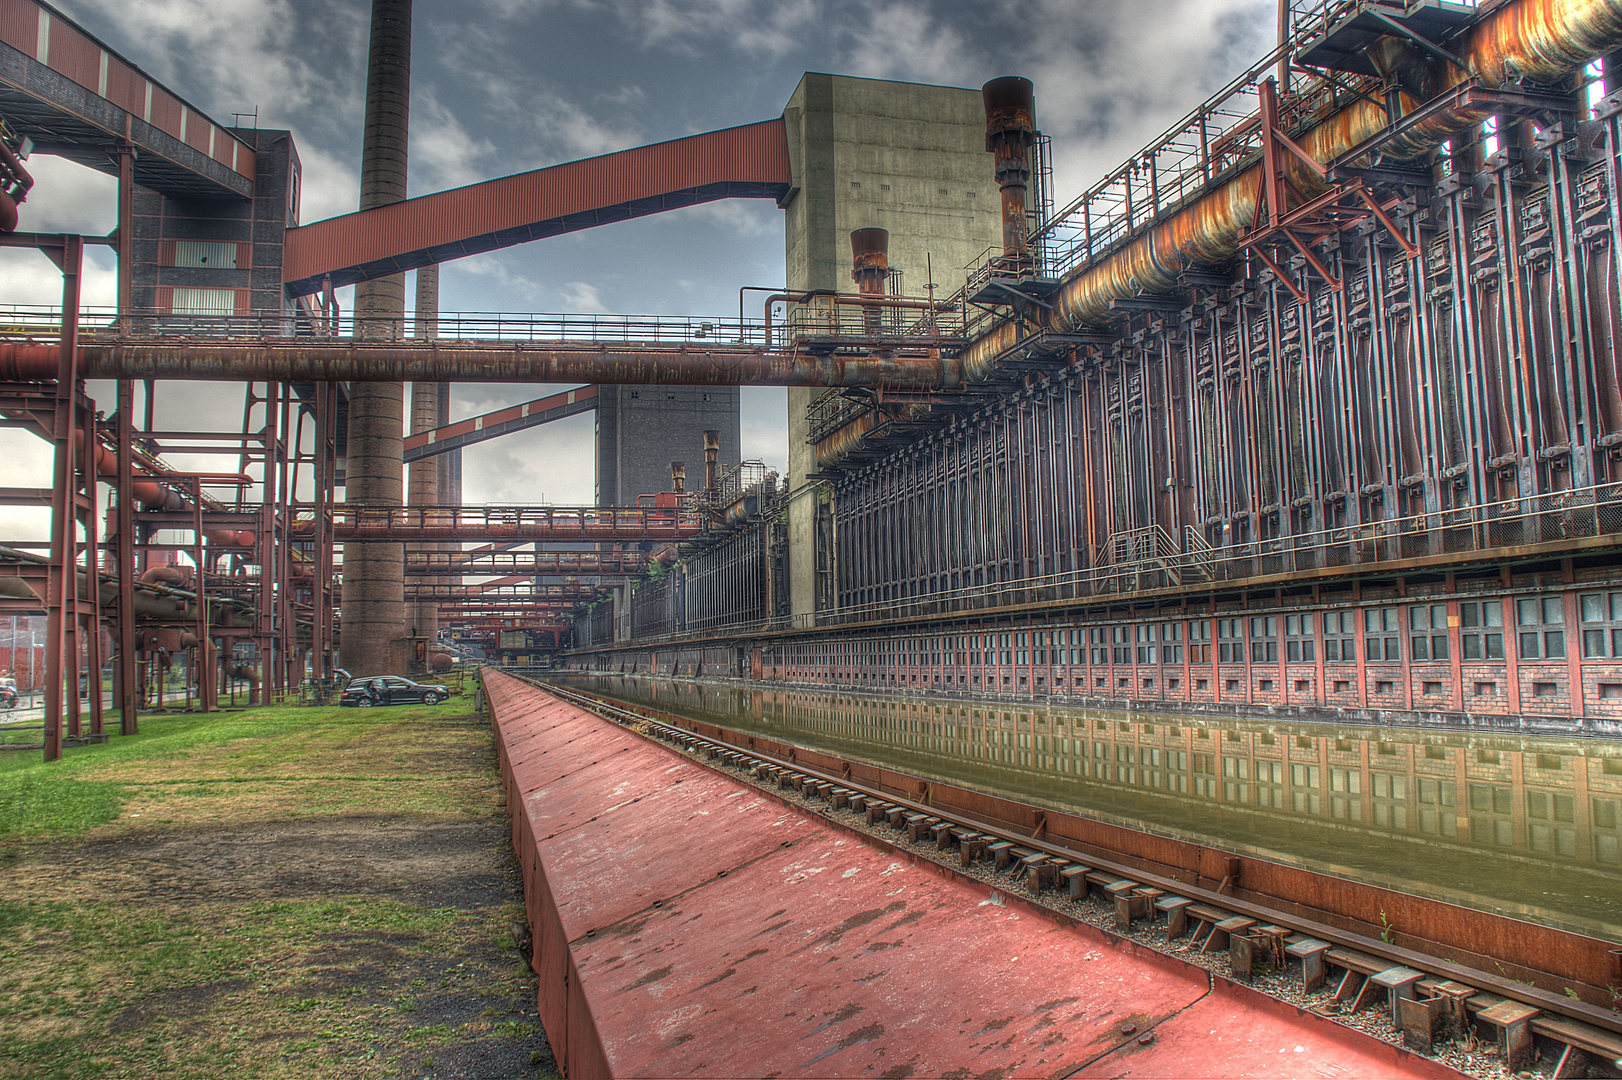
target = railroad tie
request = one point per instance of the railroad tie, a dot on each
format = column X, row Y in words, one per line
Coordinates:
column 1310, row 951
column 1075, row 881
column 944, row 833
column 971, row 847
column 895, row 814
column 1002, row 855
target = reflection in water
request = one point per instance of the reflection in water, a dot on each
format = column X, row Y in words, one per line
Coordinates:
column 1530, row 826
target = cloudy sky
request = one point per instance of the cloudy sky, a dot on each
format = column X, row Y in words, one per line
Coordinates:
column 503, row 86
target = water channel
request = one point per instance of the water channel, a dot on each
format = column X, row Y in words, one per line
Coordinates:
column 1529, row 827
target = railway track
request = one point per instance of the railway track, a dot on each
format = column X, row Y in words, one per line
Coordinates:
column 1431, row 992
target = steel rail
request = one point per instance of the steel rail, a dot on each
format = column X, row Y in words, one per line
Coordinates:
column 1498, row 984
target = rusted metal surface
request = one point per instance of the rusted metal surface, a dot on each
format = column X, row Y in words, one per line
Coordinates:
column 686, row 924
column 749, row 161
column 472, row 361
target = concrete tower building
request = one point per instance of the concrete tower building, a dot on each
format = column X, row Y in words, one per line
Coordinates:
column 866, row 153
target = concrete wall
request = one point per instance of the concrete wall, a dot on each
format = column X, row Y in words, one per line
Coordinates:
column 899, row 156
column 642, row 429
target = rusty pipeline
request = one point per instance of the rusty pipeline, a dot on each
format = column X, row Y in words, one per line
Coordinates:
column 1010, row 104
column 442, row 360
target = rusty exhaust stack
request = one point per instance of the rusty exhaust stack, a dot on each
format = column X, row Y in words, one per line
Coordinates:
column 712, row 460
column 678, row 477
column 870, row 269
column 1010, row 131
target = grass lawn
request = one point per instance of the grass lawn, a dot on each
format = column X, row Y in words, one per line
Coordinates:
column 282, row 892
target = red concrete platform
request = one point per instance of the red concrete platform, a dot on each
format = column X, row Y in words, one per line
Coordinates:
column 686, row 924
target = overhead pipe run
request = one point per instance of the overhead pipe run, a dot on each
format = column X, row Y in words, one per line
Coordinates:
column 358, row 360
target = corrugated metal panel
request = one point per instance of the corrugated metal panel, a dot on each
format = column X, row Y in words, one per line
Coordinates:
column 203, row 302
column 74, row 55
column 752, row 154
column 19, row 24
column 214, row 254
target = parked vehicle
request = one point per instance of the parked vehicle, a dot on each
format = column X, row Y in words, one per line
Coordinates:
column 8, row 693
column 371, row 690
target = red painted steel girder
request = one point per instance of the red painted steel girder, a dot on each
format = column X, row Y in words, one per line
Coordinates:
column 500, row 422
column 71, row 92
column 356, row 360
column 528, row 563
column 478, row 523
column 742, row 162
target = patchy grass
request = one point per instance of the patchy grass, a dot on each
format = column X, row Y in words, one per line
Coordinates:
column 283, row 892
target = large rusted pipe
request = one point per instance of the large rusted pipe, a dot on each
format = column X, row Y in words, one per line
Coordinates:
column 374, row 612
column 1010, row 104
column 469, row 361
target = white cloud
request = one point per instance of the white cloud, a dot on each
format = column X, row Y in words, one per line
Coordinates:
column 581, row 298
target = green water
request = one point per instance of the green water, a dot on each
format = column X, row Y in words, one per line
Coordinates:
column 1528, row 826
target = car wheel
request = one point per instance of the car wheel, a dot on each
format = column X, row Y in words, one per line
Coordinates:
column 363, row 704
column 430, row 699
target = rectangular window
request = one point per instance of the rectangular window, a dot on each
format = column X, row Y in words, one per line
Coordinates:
column 1199, row 641
column 1264, row 639
column 1602, row 625
column 1382, row 634
column 1230, row 643
column 1481, row 633
column 1340, row 630
column 1427, row 625
column 1540, row 627
column 1171, row 639
column 1147, row 633
column 1299, row 646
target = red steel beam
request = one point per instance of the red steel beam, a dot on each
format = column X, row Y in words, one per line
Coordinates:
column 742, row 162
column 530, row 414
